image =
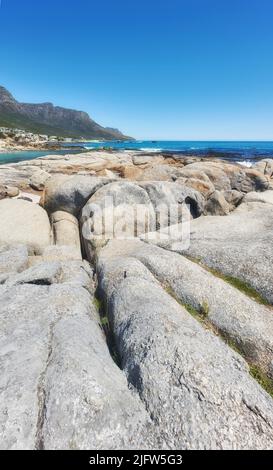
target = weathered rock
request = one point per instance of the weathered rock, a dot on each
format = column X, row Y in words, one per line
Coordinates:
column 252, row 180
column 78, row 273
column 61, row 253
column 197, row 180
column 246, row 323
column 12, row 191
column 147, row 159
column 15, row 175
column 216, row 172
column 61, row 388
column 66, row 230
column 135, row 167
column 42, row 274
column 8, row 191
column 166, row 198
column 13, row 259
column 70, row 193
column 266, row 197
column 239, row 245
column 71, row 270
column 189, row 172
column 158, row 172
column 130, row 172
column 86, row 173
column 3, row 192
column 107, row 174
column 217, row 204
column 265, row 166
column 112, row 212
column 196, row 389
column 24, row 223
column 122, row 210
column 233, row 197
column 38, row 179
column 227, row 176
column 204, row 187
column 174, row 237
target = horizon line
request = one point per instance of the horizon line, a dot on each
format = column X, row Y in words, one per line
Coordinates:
column 202, row 140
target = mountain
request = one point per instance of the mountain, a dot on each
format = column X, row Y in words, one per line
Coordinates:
column 45, row 118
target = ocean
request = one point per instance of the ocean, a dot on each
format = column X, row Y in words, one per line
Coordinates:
column 16, row 157
column 244, row 152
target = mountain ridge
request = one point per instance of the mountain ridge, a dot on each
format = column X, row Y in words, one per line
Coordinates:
column 45, row 118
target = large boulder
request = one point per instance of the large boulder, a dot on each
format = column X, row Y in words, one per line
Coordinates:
column 197, row 180
column 70, row 193
column 233, row 197
column 266, row 197
column 140, row 159
column 38, row 179
column 216, row 172
column 23, row 222
column 226, row 176
column 206, row 188
column 8, row 191
column 265, row 166
column 217, row 204
column 196, row 389
column 166, row 198
column 128, row 210
column 246, row 323
column 252, row 180
column 154, row 172
column 117, row 210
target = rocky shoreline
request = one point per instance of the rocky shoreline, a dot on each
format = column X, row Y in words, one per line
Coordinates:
column 111, row 342
column 16, row 140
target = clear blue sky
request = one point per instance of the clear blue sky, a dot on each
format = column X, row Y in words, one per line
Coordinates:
column 174, row 69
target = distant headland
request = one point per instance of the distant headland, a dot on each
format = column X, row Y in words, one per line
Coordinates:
column 45, row 118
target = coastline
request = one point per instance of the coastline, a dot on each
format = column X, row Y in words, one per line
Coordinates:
column 14, row 147
column 196, row 302
column 246, row 153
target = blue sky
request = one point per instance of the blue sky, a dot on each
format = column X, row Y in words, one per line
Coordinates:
column 174, row 69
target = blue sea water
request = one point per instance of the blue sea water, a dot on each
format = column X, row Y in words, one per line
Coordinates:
column 248, row 152
column 231, row 150
column 16, row 157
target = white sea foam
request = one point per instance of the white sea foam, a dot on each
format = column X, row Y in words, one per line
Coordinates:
column 151, row 150
column 247, row 163
column 89, row 148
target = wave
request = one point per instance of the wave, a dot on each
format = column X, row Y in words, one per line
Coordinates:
column 151, row 150
column 247, row 163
